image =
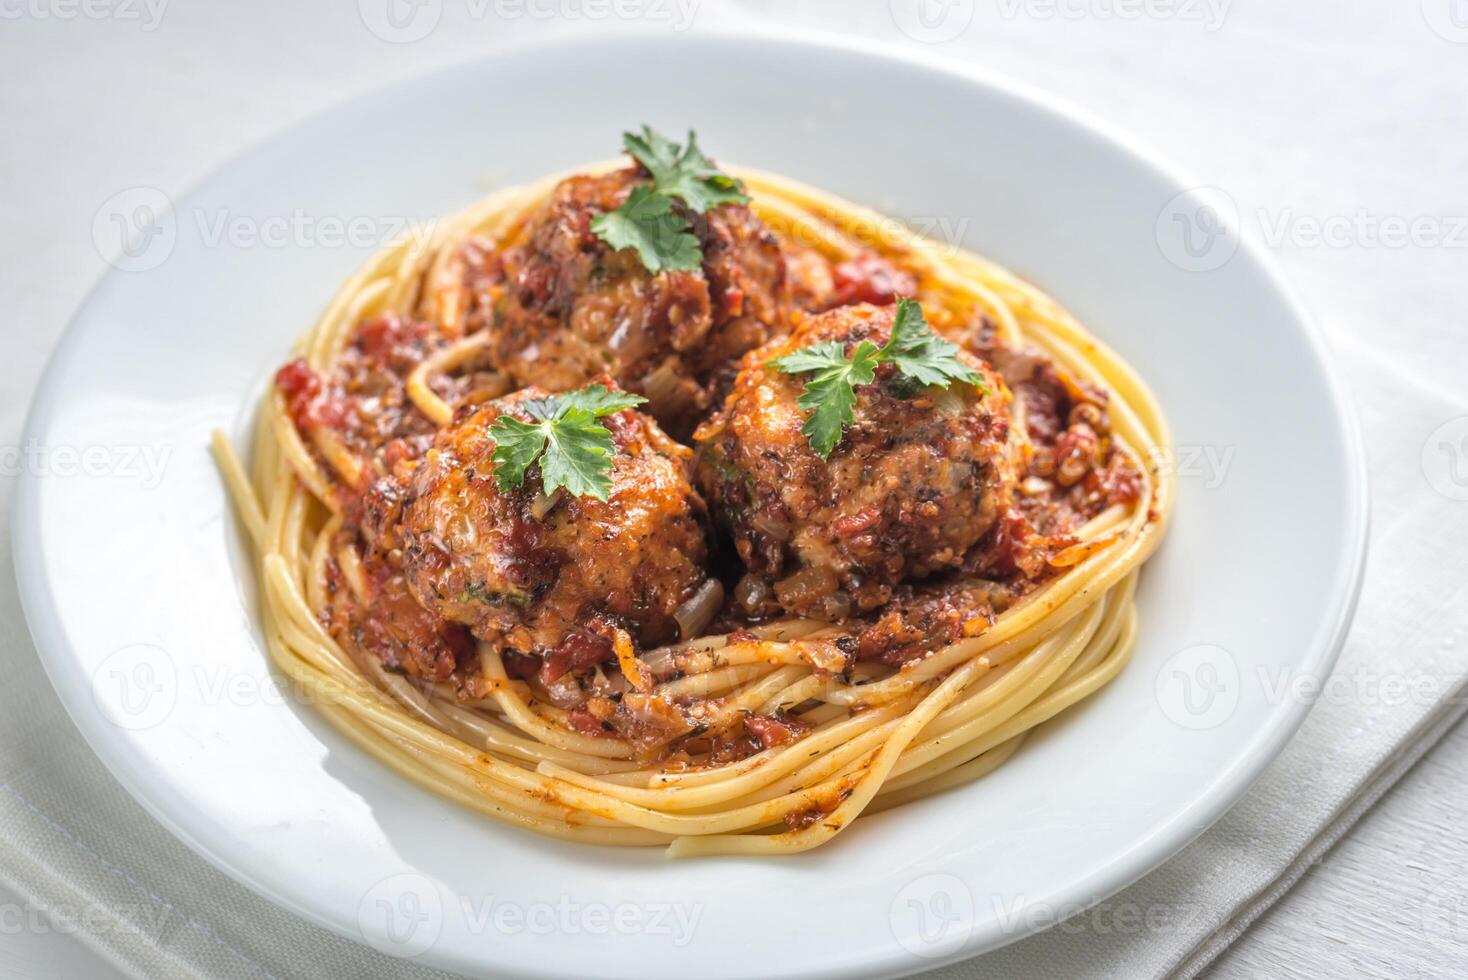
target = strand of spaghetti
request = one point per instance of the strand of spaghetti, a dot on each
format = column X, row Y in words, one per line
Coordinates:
column 1114, row 659
column 320, row 551
column 714, row 682
column 442, row 361
column 497, row 738
column 758, row 692
column 289, row 522
column 841, row 761
column 407, row 279
column 1005, row 690
column 703, row 653
column 1120, row 605
column 803, row 690
column 518, row 711
column 764, row 652
column 662, row 792
column 329, row 336
column 314, row 646
column 893, row 795
column 995, row 706
column 550, row 789
column 297, row 456
column 237, row 485
column 857, row 791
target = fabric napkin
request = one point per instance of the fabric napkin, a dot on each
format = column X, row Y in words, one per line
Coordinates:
column 1299, row 110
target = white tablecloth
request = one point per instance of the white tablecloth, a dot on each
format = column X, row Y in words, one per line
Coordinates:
column 1337, row 129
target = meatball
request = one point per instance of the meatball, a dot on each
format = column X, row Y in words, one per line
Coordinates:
column 563, row 578
column 574, row 308
column 912, row 487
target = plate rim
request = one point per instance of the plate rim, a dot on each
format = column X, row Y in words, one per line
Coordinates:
column 1161, row 843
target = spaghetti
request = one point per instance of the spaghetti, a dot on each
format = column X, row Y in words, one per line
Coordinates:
column 860, row 737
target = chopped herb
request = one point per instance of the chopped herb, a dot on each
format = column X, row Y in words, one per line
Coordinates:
column 567, row 439
column 683, row 172
column 647, row 221
column 830, row 391
column 922, row 355
column 922, row 358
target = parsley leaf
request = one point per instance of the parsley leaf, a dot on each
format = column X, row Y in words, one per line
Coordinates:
column 647, row 222
column 830, row 393
column 921, row 357
column 516, row 445
column 573, row 448
column 921, row 354
column 683, row 172
column 599, row 400
column 578, row 455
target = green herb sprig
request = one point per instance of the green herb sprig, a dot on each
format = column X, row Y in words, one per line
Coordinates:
column 567, row 439
column 647, row 221
column 922, row 358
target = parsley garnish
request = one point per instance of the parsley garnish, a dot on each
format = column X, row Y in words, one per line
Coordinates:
column 830, row 392
column 921, row 356
column 683, row 172
column 573, row 448
column 647, row 221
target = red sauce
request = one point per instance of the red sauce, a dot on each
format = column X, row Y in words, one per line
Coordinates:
column 869, row 278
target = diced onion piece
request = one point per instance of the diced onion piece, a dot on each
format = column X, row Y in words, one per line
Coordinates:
column 772, row 527
column 948, row 403
column 822, row 655
column 806, row 586
column 696, row 612
column 1033, row 486
column 544, row 503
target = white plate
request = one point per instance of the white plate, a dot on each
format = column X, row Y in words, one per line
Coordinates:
column 142, row 606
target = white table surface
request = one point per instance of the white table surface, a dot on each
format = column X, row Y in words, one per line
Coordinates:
column 111, row 94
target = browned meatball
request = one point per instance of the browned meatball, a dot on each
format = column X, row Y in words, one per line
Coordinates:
column 913, row 485
column 576, row 309
column 560, row 578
